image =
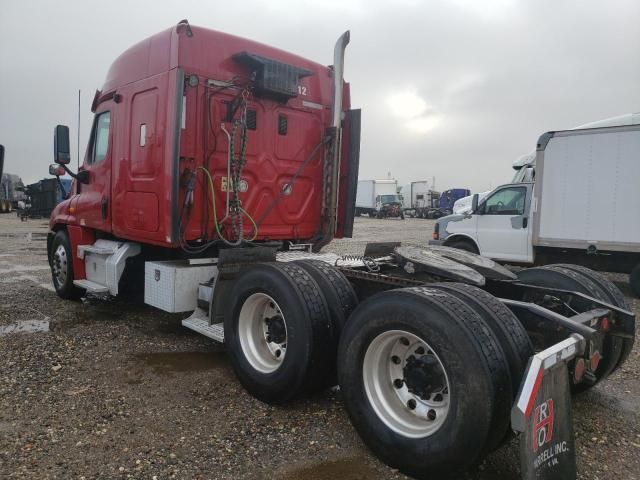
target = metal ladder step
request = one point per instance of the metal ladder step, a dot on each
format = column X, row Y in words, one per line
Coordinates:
column 198, row 323
column 91, row 287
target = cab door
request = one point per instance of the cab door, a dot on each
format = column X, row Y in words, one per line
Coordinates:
column 503, row 224
column 93, row 205
column 141, row 186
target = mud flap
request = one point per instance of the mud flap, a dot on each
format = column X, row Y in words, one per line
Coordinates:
column 542, row 414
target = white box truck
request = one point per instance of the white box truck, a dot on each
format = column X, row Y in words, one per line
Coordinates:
column 378, row 198
column 582, row 208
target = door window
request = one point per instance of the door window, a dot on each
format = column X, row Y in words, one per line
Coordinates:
column 100, row 138
column 508, row 201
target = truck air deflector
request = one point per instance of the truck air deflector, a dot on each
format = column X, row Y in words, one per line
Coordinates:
column 353, row 163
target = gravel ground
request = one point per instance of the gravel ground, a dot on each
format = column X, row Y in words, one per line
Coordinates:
column 115, row 389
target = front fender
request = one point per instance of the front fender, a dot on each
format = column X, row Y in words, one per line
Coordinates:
column 460, row 236
column 443, row 222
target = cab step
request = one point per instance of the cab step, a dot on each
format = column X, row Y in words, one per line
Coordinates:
column 104, row 262
column 198, row 322
column 91, row 287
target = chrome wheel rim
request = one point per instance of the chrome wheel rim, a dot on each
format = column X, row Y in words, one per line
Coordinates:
column 406, row 384
column 262, row 331
column 59, row 265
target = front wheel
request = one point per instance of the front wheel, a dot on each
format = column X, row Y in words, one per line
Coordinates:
column 62, row 267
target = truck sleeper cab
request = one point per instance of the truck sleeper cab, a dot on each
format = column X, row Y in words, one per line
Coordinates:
column 187, row 117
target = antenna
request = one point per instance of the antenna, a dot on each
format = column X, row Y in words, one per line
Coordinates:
column 78, row 148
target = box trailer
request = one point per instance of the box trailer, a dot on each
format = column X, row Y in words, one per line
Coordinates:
column 378, row 198
column 582, row 207
column 437, row 354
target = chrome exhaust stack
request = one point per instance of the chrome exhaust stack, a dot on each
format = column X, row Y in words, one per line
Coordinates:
column 331, row 166
column 338, row 77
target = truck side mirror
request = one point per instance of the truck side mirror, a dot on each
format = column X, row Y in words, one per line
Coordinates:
column 61, row 152
column 474, row 202
column 56, row 170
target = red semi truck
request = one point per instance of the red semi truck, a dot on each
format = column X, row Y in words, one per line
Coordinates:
column 218, row 167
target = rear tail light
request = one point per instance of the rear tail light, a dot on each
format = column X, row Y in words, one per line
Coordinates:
column 435, row 235
column 605, row 325
column 595, row 360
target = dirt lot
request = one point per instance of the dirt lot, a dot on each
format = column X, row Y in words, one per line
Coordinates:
column 113, row 389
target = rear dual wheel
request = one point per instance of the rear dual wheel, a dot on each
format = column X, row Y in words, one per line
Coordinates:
column 613, row 294
column 424, row 380
column 280, row 331
column 588, row 282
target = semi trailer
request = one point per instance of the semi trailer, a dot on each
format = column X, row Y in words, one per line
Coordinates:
column 419, row 199
column 218, row 168
column 10, row 188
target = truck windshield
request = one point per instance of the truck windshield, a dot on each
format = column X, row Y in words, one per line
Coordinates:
column 390, row 199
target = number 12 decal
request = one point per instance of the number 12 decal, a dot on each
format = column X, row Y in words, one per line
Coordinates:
column 302, row 90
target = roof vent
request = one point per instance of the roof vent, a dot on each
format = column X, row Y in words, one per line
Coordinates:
column 272, row 78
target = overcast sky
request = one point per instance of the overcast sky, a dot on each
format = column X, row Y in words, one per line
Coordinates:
column 455, row 89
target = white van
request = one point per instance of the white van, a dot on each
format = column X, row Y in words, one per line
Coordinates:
column 583, row 208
